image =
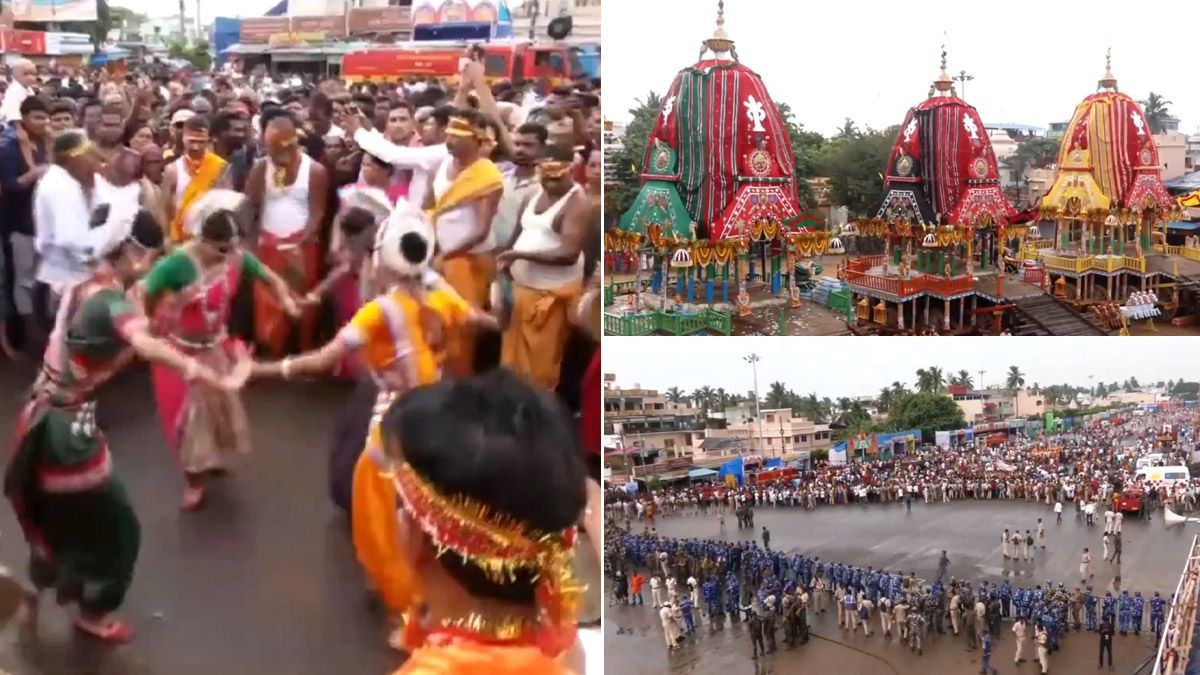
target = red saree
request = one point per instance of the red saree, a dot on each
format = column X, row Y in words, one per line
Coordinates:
column 203, row 426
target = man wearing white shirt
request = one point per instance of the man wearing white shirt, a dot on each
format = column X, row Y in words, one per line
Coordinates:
column 62, row 207
column 422, row 161
column 24, row 76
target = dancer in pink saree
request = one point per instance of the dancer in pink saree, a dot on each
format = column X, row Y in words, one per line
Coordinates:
column 189, row 295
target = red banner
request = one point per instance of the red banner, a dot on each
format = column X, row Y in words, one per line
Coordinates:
column 24, row 41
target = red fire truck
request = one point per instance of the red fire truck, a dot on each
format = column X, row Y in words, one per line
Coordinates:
column 1129, row 500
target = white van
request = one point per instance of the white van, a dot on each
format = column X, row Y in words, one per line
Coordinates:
column 1163, row 475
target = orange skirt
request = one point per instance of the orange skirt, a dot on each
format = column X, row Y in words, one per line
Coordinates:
column 376, row 540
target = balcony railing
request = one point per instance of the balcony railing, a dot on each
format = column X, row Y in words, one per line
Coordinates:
column 1106, row 264
column 911, row 286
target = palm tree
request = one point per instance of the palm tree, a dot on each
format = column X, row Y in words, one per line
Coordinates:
column 849, row 130
column 930, row 380
column 1016, row 379
column 923, row 382
column 884, row 400
column 777, row 395
column 674, row 395
column 703, row 398
column 963, row 379
column 1155, row 107
column 721, row 398
column 844, row 405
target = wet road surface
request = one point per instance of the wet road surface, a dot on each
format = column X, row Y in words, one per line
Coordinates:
column 890, row 537
column 263, row 581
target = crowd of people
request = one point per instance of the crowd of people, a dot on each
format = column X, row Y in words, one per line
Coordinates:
column 1078, row 466
column 692, row 580
column 437, row 244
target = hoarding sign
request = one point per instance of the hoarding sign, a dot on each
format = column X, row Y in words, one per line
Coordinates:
column 54, row 10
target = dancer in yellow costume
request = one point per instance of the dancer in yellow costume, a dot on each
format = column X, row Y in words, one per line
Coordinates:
column 400, row 338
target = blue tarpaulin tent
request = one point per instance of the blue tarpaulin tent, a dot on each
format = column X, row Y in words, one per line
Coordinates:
column 735, row 468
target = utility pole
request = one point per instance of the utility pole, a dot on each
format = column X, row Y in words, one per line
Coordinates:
column 532, row 8
column 981, row 372
column 199, row 26
column 753, row 360
column 963, row 78
column 182, row 20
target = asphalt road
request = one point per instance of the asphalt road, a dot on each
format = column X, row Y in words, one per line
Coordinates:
column 262, row 581
column 888, row 536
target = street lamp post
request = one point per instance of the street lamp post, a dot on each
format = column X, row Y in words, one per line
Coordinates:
column 753, row 360
column 981, row 372
column 963, row 78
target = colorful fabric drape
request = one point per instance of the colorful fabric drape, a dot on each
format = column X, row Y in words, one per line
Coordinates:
column 209, row 172
column 297, row 263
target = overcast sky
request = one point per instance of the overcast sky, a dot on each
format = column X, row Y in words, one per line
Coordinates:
column 836, row 367
column 1033, row 60
column 209, row 8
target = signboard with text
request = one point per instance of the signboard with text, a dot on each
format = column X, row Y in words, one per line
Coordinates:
column 380, row 20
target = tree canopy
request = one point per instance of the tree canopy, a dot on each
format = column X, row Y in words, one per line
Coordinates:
column 926, row 411
column 854, row 164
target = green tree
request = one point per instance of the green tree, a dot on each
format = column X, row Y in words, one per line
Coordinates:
column 1015, row 379
column 674, row 395
column 628, row 160
column 931, row 380
column 848, row 130
column 778, row 396
column 1155, row 107
column 928, row 412
column 884, row 400
column 963, row 379
column 1034, row 153
column 853, row 166
column 806, row 149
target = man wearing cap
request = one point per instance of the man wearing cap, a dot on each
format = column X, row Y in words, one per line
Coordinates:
column 178, row 120
column 190, row 177
column 546, row 267
column 462, row 202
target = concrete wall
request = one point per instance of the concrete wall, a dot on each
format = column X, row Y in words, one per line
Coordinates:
column 1172, row 154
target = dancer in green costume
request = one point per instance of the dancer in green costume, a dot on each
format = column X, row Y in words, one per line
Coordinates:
column 77, row 518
